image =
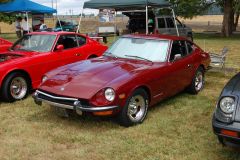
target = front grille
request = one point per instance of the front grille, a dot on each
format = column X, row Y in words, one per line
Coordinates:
column 60, row 99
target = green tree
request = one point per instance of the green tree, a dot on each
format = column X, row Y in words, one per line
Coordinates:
column 7, row 18
column 190, row 8
column 231, row 10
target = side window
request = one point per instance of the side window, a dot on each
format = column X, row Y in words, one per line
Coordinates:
column 170, row 23
column 81, row 40
column 178, row 47
column 161, row 23
column 190, row 47
column 68, row 41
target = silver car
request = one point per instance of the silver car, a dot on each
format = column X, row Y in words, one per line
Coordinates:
column 166, row 25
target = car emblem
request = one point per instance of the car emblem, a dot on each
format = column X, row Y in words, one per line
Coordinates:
column 62, row 89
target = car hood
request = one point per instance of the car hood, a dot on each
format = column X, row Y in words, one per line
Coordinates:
column 85, row 79
column 9, row 56
column 232, row 87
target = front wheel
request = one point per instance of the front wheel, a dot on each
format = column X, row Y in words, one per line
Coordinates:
column 15, row 87
column 198, row 81
column 135, row 110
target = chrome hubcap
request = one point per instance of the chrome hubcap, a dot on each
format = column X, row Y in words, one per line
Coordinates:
column 199, row 81
column 18, row 88
column 136, row 108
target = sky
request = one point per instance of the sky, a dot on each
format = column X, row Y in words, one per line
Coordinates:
column 64, row 6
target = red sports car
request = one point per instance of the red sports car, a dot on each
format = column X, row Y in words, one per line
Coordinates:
column 136, row 72
column 23, row 66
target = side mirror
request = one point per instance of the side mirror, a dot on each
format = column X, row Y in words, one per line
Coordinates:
column 60, row 48
column 177, row 57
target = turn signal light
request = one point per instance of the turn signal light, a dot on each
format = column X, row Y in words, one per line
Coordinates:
column 106, row 113
column 229, row 133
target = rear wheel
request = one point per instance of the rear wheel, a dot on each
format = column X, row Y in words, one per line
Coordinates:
column 15, row 87
column 198, row 81
column 135, row 110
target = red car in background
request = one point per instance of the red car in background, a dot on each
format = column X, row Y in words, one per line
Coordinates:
column 136, row 72
column 22, row 67
column 4, row 45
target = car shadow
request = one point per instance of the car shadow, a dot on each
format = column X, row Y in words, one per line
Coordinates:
column 48, row 114
column 168, row 101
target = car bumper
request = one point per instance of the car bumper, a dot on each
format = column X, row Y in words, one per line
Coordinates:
column 228, row 133
column 73, row 103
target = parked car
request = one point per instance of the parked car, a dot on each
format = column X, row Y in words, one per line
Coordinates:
column 162, row 25
column 66, row 25
column 23, row 66
column 4, row 45
column 226, row 118
column 136, row 72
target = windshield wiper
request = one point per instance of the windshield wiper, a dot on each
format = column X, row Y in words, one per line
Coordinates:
column 138, row 57
column 110, row 54
column 25, row 50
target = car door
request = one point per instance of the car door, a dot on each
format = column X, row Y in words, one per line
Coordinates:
column 179, row 69
column 71, row 52
column 85, row 49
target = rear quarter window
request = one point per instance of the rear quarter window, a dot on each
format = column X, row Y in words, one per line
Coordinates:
column 161, row 23
column 170, row 23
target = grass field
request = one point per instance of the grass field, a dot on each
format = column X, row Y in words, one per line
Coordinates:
column 176, row 129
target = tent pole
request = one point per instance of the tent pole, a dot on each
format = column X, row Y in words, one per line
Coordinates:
column 175, row 21
column 147, row 18
column 27, row 21
column 59, row 22
column 80, row 19
column 115, row 21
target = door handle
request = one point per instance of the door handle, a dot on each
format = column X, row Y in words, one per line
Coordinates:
column 78, row 54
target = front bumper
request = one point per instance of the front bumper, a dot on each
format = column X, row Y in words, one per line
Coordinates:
column 68, row 103
column 226, row 139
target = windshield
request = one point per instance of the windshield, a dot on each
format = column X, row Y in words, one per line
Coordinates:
column 37, row 43
column 138, row 48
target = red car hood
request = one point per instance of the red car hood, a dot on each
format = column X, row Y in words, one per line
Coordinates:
column 7, row 56
column 85, row 79
column 20, row 53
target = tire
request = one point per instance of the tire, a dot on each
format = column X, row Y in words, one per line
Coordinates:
column 132, row 115
column 198, row 81
column 15, row 87
column 221, row 141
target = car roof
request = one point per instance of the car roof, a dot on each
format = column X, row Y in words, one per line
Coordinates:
column 155, row 36
column 52, row 33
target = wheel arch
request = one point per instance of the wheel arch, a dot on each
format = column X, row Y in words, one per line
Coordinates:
column 92, row 56
column 22, row 71
column 146, row 89
column 203, row 67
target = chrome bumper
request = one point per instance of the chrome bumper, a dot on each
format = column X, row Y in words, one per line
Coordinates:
column 76, row 105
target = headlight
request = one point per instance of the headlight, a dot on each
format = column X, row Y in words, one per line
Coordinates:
column 109, row 94
column 227, row 105
column 44, row 79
